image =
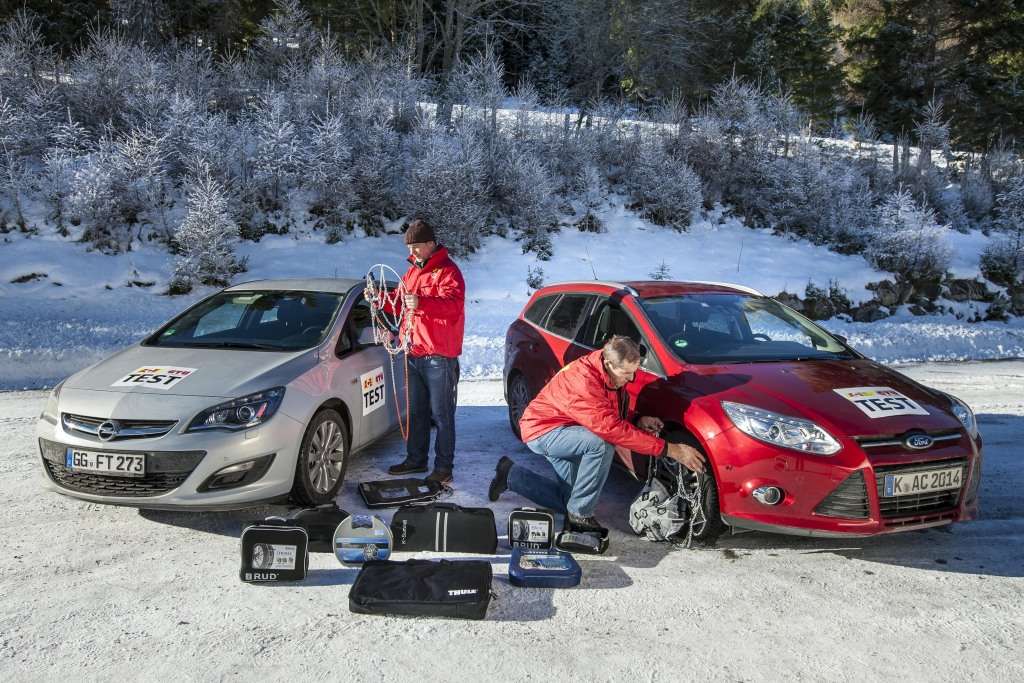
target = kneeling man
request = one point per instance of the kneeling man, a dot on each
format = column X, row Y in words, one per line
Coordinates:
column 576, row 422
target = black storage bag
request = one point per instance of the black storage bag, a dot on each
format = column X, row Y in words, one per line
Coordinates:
column 320, row 523
column 272, row 551
column 423, row 588
column 531, row 529
column 444, row 527
column 394, row 492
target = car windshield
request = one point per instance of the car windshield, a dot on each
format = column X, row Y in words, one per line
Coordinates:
column 734, row 328
column 270, row 320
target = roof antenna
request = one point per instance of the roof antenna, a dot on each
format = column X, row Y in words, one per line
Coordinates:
column 590, row 261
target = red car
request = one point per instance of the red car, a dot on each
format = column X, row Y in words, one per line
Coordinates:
column 804, row 435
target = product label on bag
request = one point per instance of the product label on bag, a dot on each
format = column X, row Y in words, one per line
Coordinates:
column 273, row 556
column 372, row 384
column 529, row 533
column 154, row 377
column 876, row 402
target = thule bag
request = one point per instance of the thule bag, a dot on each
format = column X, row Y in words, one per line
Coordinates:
column 396, row 492
column 547, row 569
column 273, row 550
column 531, row 529
column 423, row 588
column 444, row 527
column 320, row 523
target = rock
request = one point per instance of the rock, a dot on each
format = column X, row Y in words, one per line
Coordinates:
column 998, row 309
column 870, row 312
column 915, row 309
column 886, row 293
column 961, row 289
column 929, row 290
column 818, row 308
column 791, row 300
column 1017, row 301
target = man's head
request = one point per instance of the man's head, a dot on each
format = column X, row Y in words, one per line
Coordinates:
column 420, row 239
column 621, row 357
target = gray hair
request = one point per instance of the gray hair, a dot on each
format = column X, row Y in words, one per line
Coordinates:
column 619, row 350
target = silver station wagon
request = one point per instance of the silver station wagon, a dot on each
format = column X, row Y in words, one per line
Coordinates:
column 256, row 393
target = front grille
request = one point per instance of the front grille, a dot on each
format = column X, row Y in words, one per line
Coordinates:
column 126, row 429
column 849, row 499
column 927, row 503
column 893, row 443
column 101, row 484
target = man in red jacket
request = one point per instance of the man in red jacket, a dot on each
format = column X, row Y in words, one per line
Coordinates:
column 576, row 422
column 434, row 316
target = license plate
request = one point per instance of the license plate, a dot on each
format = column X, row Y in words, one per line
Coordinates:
column 922, row 481
column 114, row 464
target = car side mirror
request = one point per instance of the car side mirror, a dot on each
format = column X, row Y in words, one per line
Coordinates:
column 366, row 337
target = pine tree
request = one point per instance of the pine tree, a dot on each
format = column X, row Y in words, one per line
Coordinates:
column 206, row 238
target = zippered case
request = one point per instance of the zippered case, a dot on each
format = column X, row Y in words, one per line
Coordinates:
column 423, row 588
column 273, row 550
column 361, row 538
column 584, row 542
column 531, row 529
column 320, row 524
column 547, row 569
column 444, row 527
column 396, row 492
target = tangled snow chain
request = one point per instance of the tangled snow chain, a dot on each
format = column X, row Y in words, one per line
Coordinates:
column 386, row 311
column 698, row 520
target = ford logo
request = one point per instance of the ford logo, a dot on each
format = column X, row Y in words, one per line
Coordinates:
column 108, row 430
column 918, row 442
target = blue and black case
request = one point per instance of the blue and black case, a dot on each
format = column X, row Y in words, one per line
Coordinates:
column 548, row 569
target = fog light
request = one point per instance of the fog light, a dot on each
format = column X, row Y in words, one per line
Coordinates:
column 238, row 474
column 768, row 495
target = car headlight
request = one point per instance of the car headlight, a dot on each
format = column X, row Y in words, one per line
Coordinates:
column 964, row 414
column 781, row 430
column 50, row 410
column 241, row 413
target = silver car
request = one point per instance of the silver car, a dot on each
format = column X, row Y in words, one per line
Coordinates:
column 259, row 392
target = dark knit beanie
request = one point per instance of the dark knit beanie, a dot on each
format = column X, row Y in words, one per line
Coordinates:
column 419, row 231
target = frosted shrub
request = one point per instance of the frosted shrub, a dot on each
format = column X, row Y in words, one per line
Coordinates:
column 376, row 167
column 326, row 170
column 908, row 241
column 527, row 194
column 665, row 188
column 206, row 238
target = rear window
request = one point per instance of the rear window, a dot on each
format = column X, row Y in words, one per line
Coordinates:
column 536, row 312
column 567, row 316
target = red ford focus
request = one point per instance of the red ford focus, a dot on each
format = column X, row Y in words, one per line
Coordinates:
column 804, row 435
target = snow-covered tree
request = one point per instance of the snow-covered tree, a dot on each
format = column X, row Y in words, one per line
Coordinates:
column 1003, row 260
column 662, row 272
column 143, row 158
column 908, row 241
column 277, row 164
column 527, row 193
column 326, row 169
column 592, row 196
column 666, row 189
column 206, row 238
column 376, row 168
column 59, row 165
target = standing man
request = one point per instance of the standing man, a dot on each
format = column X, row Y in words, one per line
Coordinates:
column 434, row 316
column 577, row 421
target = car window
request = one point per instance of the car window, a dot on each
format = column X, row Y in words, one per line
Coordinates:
column 359, row 319
column 610, row 320
column 267, row 320
column 568, row 314
column 536, row 312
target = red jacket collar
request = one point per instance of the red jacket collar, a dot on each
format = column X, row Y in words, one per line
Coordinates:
column 595, row 361
column 439, row 256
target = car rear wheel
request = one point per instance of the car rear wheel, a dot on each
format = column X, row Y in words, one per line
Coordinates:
column 714, row 526
column 322, row 461
column 518, row 398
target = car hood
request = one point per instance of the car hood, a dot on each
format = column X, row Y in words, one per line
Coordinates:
column 808, row 389
column 217, row 373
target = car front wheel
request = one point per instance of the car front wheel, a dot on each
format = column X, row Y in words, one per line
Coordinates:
column 712, row 526
column 518, row 398
column 322, row 461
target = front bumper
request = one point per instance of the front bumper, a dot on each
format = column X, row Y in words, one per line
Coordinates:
column 841, row 496
column 177, row 465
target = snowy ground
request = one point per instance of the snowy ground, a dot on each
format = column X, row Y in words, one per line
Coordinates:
column 82, row 306
column 90, row 592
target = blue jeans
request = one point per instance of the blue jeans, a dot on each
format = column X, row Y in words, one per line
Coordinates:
column 433, row 388
column 581, row 461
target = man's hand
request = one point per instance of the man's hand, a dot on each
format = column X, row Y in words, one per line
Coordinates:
column 411, row 301
column 688, row 456
column 651, row 425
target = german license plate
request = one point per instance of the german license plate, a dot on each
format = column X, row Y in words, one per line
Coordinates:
column 922, row 481
column 114, row 464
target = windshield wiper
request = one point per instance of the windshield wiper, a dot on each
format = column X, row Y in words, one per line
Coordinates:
column 235, row 345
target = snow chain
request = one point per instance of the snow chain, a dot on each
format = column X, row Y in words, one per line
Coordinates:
column 378, row 294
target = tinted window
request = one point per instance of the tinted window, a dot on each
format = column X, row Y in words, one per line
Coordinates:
column 612, row 320
column 271, row 320
column 565, row 319
column 359, row 319
column 535, row 313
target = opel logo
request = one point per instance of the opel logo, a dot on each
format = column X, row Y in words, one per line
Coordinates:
column 918, row 442
column 108, row 430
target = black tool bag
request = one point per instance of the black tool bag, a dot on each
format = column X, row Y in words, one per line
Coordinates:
column 531, row 529
column 444, row 527
column 423, row 588
column 320, row 523
column 395, row 492
column 274, row 550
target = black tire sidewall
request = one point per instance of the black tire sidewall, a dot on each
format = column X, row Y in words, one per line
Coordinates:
column 303, row 491
column 512, row 421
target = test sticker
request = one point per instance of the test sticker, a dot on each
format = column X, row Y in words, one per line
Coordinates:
column 372, row 384
column 154, row 377
column 876, row 402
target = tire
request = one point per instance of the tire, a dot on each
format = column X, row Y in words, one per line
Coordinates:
column 519, row 397
column 319, row 474
column 708, row 494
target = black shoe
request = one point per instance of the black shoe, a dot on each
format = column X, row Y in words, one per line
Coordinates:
column 500, row 482
column 440, row 476
column 584, row 524
column 406, row 467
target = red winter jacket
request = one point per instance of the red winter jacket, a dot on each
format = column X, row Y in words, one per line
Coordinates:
column 439, row 320
column 580, row 395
